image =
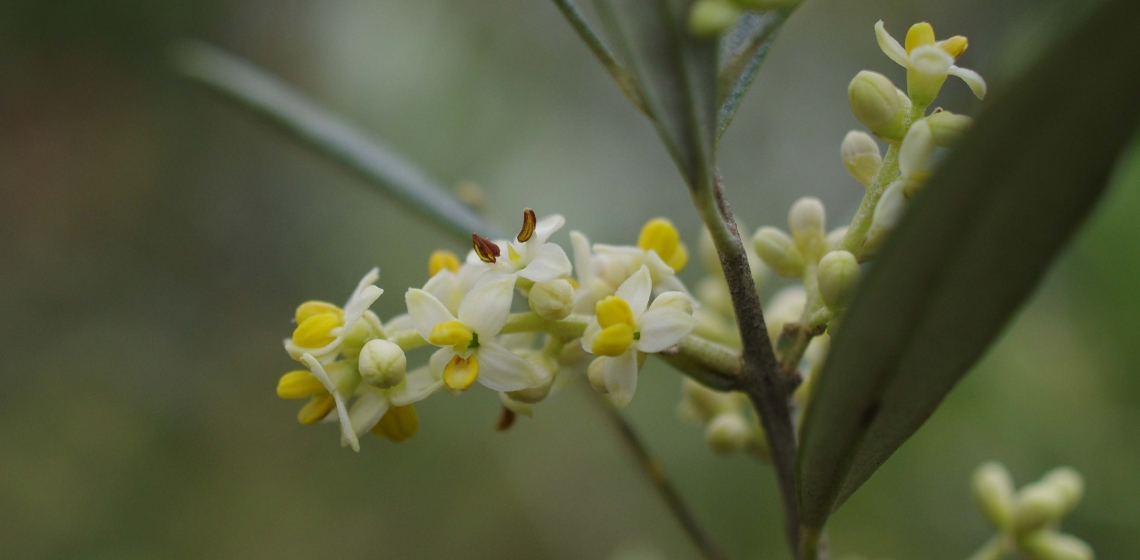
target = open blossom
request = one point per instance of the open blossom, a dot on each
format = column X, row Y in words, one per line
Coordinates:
column 323, row 328
column 528, row 256
column 626, row 324
column 928, row 61
column 602, row 268
column 468, row 351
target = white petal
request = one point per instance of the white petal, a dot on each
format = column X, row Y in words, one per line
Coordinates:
column 368, row 280
column 917, row 149
column 342, row 412
column 516, row 406
column 635, row 291
column 485, row 308
column 891, row 206
column 438, row 360
column 972, row 79
column 890, row 46
column 546, row 227
column 624, row 251
column 663, row 327
column 591, row 332
column 931, row 61
column 445, row 287
column 366, row 412
column 503, row 370
column 582, row 256
column 402, row 322
column 417, row 386
column 550, row 263
column 620, row 375
column 426, row 311
column 675, row 300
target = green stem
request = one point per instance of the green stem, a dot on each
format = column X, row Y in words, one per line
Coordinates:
column 810, row 544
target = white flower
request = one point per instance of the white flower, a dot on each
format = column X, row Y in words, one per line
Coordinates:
column 449, row 286
column 623, row 327
column 928, row 62
column 604, row 267
column 468, row 351
column 323, row 327
column 528, row 256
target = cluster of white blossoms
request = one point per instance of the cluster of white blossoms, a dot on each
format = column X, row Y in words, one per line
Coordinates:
column 623, row 302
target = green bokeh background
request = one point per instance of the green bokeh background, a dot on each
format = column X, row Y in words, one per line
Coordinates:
column 154, row 240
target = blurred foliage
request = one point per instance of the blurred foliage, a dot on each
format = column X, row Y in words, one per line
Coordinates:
column 155, row 240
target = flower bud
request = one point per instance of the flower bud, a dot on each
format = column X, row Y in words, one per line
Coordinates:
column 993, row 490
column 890, row 208
column 363, row 330
column 552, row 300
column 785, row 307
column 382, row 364
column 838, row 276
column 1048, row 545
column 1036, row 505
column 596, row 376
column 861, row 155
column 536, row 394
column 728, row 433
column 835, row 238
column 703, row 404
column 1068, row 484
column 807, row 221
column 710, row 18
column 916, row 154
column 875, row 104
column 948, row 127
column 713, row 292
column 778, row 251
column 926, row 74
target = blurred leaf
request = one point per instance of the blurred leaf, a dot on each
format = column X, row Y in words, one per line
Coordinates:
column 741, row 52
column 329, row 133
column 602, row 52
column 969, row 252
column 676, row 74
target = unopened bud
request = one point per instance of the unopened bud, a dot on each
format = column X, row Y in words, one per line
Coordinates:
column 363, row 330
column 778, row 251
column 704, row 404
column 926, row 74
column 808, row 221
column 382, row 364
column 552, row 300
column 890, row 208
column 532, row 395
column 838, row 276
column 713, row 292
column 861, row 155
column 710, row 18
column 728, row 433
column 916, row 154
column 875, row 104
column 948, row 127
column 993, row 490
column 835, row 238
column 1037, row 505
column 1068, row 484
column 596, row 376
column 1049, row 545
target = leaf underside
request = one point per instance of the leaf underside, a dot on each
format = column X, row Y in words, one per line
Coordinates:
column 969, row 251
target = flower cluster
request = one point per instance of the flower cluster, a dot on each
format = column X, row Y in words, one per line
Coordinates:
column 623, row 303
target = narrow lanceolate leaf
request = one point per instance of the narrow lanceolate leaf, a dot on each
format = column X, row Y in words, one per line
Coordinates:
column 602, row 52
column 676, row 74
column 329, row 133
column 742, row 50
column 969, row 252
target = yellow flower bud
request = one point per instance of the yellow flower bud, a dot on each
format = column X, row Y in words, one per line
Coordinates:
column 778, row 251
column 876, row 104
column 993, row 490
column 861, row 155
column 710, row 18
column 838, row 276
column 382, row 364
column 553, row 300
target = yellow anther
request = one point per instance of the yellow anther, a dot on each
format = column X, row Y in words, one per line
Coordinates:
column 317, row 409
column 954, row 46
column 442, row 260
column 529, row 222
column 679, row 258
column 399, row 424
column 614, row 340
column 451, row 333
column 574, row 283
column 460, row 373
column 613, row 310
column 299, row 384
column 311, row 308
column 920, row 34
column 513, row 254
column 316, row 331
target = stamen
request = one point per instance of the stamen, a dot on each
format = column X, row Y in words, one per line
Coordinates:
column 451, row 333
column 529, row 221
column 613, row 310
column 316, row 331
column 317, row 409
column 920, row 34
column 954, row 46
column 442, row 260
column 311, row 308
column 485, row 248
column 459, row 374
column 399, row 424
column 299, row 384
column 506, row 420
column 613, row 340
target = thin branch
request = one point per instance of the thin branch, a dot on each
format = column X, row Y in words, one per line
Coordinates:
column 616, row 69
column 700, row 536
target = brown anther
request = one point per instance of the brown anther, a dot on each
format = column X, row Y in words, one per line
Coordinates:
column 506, row 420
column 485, row 248
column 529, row 221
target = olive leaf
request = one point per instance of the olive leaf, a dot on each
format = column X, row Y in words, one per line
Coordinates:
column 741, row 52
column 969, row 252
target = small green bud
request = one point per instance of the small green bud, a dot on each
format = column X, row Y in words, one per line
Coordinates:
column 382, row 364
column 713, row 292
column 709, row 18
column 778, row 251
column 993, row 490
column 808, row 220
column 543, row 365
column 597, row 377
column 876, row 104
column 838, row 276
column 948, row 127
column 861, row 155
column 1037, row 505
column 552, row 300
column 1068, row 484
column 891, row 207
column 927, row 73
column 728, row 433
column 1048, row 545
column 704, row 404
column 835, row 238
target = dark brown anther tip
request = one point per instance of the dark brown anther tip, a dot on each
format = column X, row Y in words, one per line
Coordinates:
column 485, row 248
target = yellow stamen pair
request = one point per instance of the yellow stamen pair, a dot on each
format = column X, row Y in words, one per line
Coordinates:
column 442, row 260
column 460, row 373
column 399, row 424
column 451, row 333
column 616, row 319
column 922, row 34
column 660, row 236
column 299, row 384
column 315, row 330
